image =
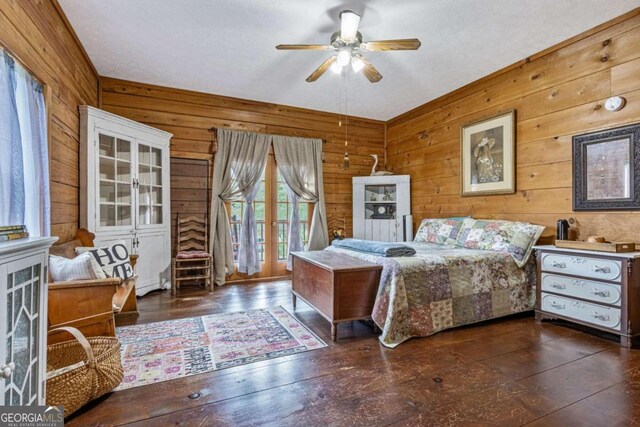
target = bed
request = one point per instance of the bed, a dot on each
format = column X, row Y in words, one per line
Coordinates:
column 443, row 286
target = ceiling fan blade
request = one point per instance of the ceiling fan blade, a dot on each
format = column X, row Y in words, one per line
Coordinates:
column 321, row 69
column 400, row 44
column 349, row 22
column 304, row 47
column 369, row 71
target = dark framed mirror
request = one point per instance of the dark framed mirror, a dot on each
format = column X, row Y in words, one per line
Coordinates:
column 606, row 169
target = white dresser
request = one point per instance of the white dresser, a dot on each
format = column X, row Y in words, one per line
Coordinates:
column 125, row 190
column 595, row 289
column 23, row 320
column 382, row 208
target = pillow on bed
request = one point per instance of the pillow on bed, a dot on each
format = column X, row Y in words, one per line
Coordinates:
column 516, row 238
column 442, row 231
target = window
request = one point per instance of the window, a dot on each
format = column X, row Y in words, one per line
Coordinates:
column 273, row 213
column 24, row 158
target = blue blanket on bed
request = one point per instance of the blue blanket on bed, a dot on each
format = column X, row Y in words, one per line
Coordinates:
column 385, row 249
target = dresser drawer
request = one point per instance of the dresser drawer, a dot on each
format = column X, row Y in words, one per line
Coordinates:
column 594, row 314
column 581, row 288
column 595, row 268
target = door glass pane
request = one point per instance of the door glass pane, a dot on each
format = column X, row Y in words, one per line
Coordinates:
column 124, row 171
column 144, row 154
column 124, row 194
column 144, row 174
column 107, row 192
column 156, row 176
column 107, row 215
column 123, row 150
column 107, row 168
column 124, row 215
column 106, row 144
column 156, row 157
column 150, row 215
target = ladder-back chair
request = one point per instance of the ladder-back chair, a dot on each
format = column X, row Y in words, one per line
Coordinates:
column 192, row 261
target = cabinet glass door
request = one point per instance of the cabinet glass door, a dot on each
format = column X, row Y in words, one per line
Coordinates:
column 24, row 282
column 150, row 185
column 114, row 174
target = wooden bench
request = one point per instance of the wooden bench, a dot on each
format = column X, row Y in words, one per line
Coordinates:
column 339, row 287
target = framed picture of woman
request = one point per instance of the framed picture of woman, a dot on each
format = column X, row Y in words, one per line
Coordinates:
column 487, row 156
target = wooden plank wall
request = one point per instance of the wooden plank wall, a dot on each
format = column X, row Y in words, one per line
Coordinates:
column 37, row 33
column 189, row 115
column 557, row 93
column 190, row 190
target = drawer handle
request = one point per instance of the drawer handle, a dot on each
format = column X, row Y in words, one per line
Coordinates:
column 601, row 269
column 601, row 293
column 602, row 317
column 559, row 264
column 558, row 306
column 557, row 285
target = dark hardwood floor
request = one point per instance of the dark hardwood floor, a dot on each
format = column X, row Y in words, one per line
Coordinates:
column 506, row 372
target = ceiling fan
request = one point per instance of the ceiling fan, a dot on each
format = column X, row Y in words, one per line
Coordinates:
column 349, row 47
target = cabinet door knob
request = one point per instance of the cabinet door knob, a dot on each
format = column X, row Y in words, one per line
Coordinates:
column 7, row 370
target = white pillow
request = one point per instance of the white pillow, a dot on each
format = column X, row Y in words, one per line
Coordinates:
column 82, row 267
column 113, row 259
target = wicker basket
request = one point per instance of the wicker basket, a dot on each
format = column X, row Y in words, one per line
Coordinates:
column 100, row 373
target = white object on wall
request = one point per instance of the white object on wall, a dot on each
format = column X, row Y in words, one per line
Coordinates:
column 382, row 208
column 125, row 190
column 615, row 103
column 23, row 320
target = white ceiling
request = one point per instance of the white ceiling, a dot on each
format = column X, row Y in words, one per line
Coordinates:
column 226, row 47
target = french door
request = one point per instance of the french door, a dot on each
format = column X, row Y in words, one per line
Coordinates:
column 273, row 212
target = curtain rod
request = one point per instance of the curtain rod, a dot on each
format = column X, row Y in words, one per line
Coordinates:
column 213, row 129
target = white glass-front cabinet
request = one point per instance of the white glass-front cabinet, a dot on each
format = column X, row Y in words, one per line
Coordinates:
column 23, row 320
column 125, row 190
column 382, row 208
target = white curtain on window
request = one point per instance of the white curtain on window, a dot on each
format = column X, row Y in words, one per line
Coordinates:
column 238, row 166
column 24, row 159
column 299, row 161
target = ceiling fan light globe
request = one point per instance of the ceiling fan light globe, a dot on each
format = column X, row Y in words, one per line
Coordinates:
column 349, row 25
column 336, row 68
column 357, row 64
column 344, row 57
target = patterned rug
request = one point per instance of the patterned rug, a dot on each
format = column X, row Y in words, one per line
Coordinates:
column 162, row 351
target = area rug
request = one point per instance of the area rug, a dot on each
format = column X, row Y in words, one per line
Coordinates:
column 162, row 351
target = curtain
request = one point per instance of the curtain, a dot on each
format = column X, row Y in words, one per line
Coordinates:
column 299, row 161
column 24, row 170
column 240, row 160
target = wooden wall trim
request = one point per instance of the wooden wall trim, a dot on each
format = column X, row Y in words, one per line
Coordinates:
column 464, row 90
column 558, row 94
column 75, row 37
column 189, row 116
column 37, row 34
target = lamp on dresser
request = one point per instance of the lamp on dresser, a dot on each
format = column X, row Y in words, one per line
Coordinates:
column 594, row 289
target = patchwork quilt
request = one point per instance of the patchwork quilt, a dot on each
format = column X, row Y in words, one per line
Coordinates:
column 442, row 287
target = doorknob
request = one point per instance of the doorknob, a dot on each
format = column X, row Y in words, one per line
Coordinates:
column 274, row 223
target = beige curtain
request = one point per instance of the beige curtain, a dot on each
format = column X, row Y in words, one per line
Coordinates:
column 239, row 162
column 299, row 161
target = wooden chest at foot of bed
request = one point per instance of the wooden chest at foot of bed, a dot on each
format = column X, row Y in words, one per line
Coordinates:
column 339, row 287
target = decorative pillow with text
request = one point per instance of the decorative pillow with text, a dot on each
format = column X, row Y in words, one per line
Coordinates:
column 113, row 259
